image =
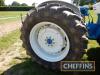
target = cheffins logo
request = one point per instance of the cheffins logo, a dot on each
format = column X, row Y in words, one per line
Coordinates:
column 78, row 66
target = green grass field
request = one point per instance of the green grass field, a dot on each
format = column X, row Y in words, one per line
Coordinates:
column 9, row 16
column 7, row 40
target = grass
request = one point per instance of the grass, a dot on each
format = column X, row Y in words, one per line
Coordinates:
column 22, row 58
column 92, row 44
column 14, row 16
column 7, row 40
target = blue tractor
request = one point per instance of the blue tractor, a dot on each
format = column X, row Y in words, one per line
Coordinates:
column 93, row 28
column 54, row 31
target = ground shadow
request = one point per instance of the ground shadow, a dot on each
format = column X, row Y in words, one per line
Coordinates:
column 32, row 68
column 93, row 55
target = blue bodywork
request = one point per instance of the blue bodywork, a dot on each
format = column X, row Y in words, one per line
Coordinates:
column 93, row 31
column 93, row 28
column 84, row 11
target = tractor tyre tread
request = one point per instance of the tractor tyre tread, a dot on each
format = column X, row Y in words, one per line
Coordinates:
column 77, row 32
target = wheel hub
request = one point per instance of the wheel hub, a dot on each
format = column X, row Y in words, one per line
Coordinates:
column 49, row 41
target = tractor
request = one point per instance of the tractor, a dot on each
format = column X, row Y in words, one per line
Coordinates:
column 54, row 31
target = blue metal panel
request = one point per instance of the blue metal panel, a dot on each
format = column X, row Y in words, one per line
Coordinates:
column 84, row 11
column 93, row 31
column 98, row 32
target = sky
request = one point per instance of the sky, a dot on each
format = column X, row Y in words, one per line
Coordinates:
column 29, row 2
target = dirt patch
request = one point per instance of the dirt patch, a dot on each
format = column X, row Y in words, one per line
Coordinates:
column 8, row 27
column 7, row 56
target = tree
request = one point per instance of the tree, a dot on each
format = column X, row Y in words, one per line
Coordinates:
column 24, row 4
column 86, row 2
column 15, row 3
column 2, row 2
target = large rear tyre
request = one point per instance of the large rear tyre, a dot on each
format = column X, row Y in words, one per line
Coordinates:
column 52, row 34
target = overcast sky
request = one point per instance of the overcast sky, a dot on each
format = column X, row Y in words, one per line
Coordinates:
column 29, row 2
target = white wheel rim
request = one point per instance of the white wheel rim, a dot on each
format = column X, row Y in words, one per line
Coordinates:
column 49, row 41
